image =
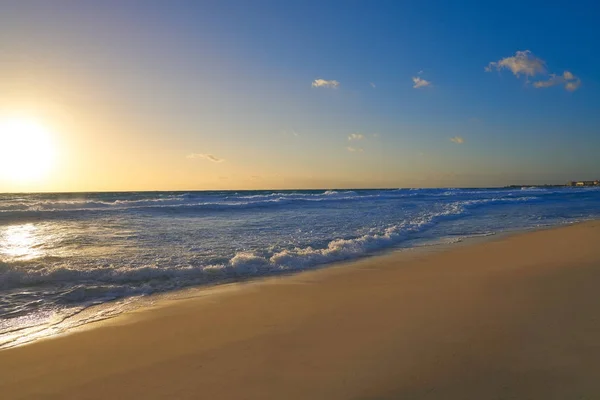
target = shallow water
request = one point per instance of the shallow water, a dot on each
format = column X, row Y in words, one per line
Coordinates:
column 62, row 253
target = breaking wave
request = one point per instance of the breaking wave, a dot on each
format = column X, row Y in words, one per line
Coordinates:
column 62, row 253
column 242, row 264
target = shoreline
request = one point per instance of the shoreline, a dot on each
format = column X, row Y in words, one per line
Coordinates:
column 513, row 316
column 104, row 313
column 393, row 254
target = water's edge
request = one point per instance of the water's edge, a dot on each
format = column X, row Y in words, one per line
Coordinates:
column 98, row 315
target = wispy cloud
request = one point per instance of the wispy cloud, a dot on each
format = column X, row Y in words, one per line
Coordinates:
column 325, row 83
column 522, row 63
column 208, row 157
column 526, row 63
column 356, row 136
column 420, row 82
column 570, row 81
column 457, row 140
column 372, row 85
column 354, row 149
column 291, row 132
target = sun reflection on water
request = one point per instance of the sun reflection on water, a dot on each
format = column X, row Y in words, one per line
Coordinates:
column 20, row 242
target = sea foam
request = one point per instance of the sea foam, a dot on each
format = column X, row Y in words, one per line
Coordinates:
column 61, row 254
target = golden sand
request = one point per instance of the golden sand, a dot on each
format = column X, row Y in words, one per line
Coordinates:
column 512, row 318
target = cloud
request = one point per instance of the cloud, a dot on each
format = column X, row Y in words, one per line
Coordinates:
column 570, row 81
column 208, row 157
column 290, row 132
column 525, row 63
column 372, row 85
column 522, row 63
column 354, row 149
column 457, row 140
column 324, row 83
column 356, row 136
column 420, row 82
column 554, row 80
column 573, row 86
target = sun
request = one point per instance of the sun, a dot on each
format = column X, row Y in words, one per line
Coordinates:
column 26, row 150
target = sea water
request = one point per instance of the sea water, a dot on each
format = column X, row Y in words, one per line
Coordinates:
column 60, row 254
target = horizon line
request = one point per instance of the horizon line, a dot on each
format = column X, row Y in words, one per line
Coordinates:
column 289, row 190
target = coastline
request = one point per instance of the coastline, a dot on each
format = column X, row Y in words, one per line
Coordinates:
column 52, row 283
column 98, row 314
column 511, row 315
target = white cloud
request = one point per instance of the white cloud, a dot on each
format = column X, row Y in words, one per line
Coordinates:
column 457, row 140
column 354, row 149
column 208, row 157
column 373, row 85
column 356, row 136
column 570, row 81
column 522, row 63
column 420, row 82
column 324, row 83
column 525, row 63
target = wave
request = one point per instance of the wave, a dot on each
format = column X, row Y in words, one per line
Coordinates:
column 19, row 211
column 87, row 261
column 54, row 209
column 242, row 264
column 224, row 199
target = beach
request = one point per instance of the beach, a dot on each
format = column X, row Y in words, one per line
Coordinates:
column 513, row 317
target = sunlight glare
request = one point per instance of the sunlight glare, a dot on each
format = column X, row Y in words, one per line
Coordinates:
column 19, row 242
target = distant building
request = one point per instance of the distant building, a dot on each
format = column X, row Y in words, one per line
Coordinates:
column 584, row 183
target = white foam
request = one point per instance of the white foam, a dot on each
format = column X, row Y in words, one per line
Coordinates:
column 84, row 261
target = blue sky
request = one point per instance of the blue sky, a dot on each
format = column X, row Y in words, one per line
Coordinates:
column 150, row 88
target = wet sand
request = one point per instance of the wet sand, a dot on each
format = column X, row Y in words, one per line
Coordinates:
column 516, row 317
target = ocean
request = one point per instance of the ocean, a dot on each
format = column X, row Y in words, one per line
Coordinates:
column 68, row 259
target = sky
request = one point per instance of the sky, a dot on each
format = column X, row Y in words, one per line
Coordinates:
column 202, row 95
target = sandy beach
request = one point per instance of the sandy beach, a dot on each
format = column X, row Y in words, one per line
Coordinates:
column 515, row 317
